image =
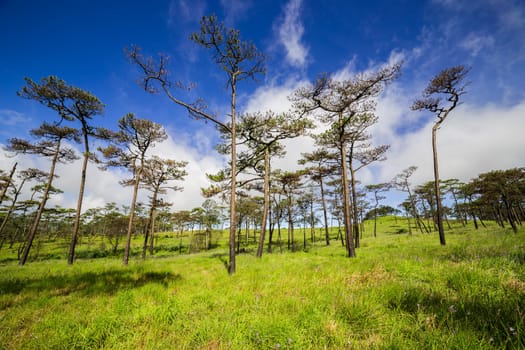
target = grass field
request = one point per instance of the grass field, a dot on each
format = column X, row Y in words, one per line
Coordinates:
column 400, row 292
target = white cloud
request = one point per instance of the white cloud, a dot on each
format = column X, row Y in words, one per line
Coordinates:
column 103, row 186
column 475, row 43
column 473, row 140
column 290, row 33
column 272, row 97
column 350, row 69
column 199, row 163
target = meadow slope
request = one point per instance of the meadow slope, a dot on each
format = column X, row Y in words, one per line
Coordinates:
column 400, row 292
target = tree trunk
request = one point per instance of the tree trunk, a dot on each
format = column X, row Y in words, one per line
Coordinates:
column 304, row 235
column 509, row 215
column 145, row 245
column 272, row 226
column 11, row 209
column 346, row 204
column 151, row 229
column 439, row 209
column 9, row 179
column 291, row 237
column 232, row 267
column 41, row 207
column 458, row 210
column 325, row 216
column 409, row 226
column 132, row 215
column 414, row 210
column 312, row 221
column 279, row 237
column 266, row 201
column 76, row 225
column 375, row 220
column 355, row 213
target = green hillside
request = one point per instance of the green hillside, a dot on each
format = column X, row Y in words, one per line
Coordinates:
column 400, row 292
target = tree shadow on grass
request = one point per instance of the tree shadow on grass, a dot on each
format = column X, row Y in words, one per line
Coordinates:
column 223, row 258
column 499, row 320
column 461, row 253
column 87, row 283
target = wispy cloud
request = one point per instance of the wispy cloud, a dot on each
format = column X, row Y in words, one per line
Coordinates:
column 11, row 118
column 235, row 9
column 185, row 11
column 475, row 43
column 291, row 31
column 13, row 123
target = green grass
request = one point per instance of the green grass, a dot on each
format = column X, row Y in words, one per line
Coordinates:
column 401, row 292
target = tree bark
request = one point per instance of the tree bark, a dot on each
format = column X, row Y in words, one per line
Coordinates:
column 346, row 204
column 355, row 213
column 439, row 209
column 9, row 179
column 149, row 232
column 76, row 225
column 232, row 266
column 323, row 201
column 132, row 215
column 291, row 238
column 11, row 209
column 41, row 207
column 266, row 201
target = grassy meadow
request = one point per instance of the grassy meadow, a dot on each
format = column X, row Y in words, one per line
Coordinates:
column 400, row 292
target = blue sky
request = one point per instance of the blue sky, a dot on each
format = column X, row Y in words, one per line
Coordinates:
column 82, row 42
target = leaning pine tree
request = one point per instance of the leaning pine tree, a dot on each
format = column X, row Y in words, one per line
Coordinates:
column 447, row 84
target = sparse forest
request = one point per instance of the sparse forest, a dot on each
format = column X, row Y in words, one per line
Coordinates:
column 275, row 225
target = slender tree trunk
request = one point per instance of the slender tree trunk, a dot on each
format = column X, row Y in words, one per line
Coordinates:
column 41, row 207
column 448, row 222
column 291, row 238
column 239, row 236
column 266, row 201
column 475, row 220
column 325, row 216
column 279, row 237
column 246, row 230
column 516, row 216
column 232, row 266
column 9, row 179
column 346, row 204
column 417, row 218
column 272, row 226
column 375, row 221
column 132, row 214
column 312, row 221
column 458, row 211
column 481, row 219
column 304, row 235
column 76, row 225
column 11, row 209
column 355, row 213
column 521, row 212
column 439, row 209
column 509, row 215
column 145, row 245
column 149, row 232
